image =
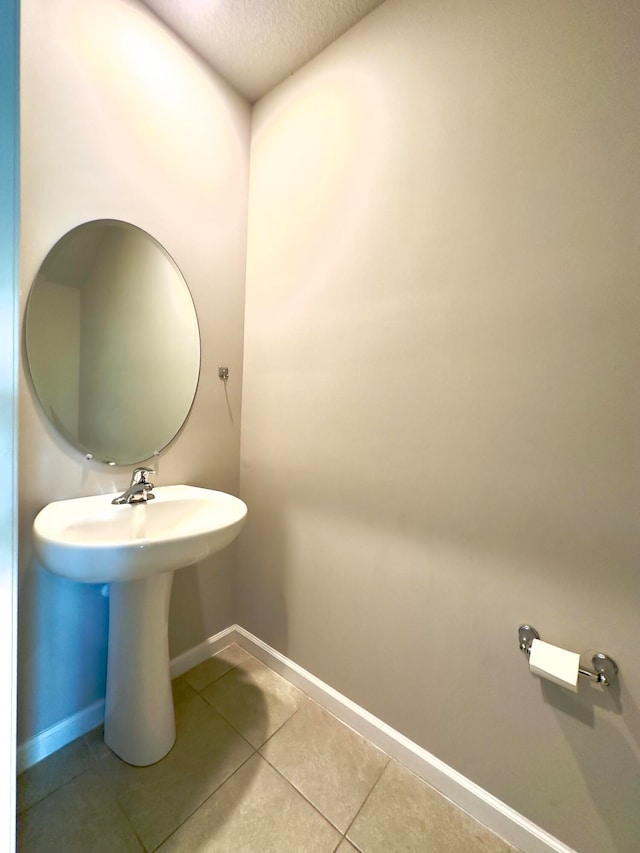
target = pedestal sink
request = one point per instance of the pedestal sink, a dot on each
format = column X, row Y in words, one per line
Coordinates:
column 135, row 548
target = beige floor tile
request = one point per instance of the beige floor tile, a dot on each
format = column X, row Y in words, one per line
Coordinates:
column 210, row 670
column 52, row 773
column 331, row 765
column 157, row 799
column 404, row 813
column 79, row 817
column 254, row 699
column 94, row 741
column 256, row 811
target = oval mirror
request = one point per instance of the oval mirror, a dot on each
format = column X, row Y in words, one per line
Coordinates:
column 112, row 342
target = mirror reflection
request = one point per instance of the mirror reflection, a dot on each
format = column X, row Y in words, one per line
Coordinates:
column 112, row 342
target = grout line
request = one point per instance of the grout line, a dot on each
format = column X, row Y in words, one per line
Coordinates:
column 227, row 722
column 231, row 724
column 288, row 720
column 350, row 842
column 200, row 805
column 128, row 820
column 222, row 674
column 201, row 691
column 343, row 833
column 68, row 781
column 366, row 799
column 305, row 798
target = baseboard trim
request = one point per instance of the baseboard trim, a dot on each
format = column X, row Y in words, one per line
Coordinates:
column 55, row 737
column 483, row 806
column 211, row 646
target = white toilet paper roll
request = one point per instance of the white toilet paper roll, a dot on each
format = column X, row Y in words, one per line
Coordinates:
column 555, row 664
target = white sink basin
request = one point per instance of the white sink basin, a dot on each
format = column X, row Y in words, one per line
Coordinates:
column 94, row 541
column 136, row 548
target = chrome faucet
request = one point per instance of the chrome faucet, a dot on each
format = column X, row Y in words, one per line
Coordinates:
column 140, row 489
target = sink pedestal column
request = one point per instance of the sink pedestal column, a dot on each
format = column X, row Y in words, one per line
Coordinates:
column 139, row 724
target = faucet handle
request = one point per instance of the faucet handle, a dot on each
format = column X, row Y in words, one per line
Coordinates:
column 141, row 475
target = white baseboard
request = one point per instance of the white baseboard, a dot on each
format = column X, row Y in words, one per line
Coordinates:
column 55, row 737
column 484, row 807
column 211, row 646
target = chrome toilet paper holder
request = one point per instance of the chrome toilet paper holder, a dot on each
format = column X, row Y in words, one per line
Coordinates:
column 605, row 669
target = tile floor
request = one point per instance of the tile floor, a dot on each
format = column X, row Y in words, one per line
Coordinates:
column 257, row 767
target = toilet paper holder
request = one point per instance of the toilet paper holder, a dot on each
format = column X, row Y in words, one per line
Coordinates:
column 605, row 669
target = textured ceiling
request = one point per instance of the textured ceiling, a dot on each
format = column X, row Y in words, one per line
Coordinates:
column 255, row 44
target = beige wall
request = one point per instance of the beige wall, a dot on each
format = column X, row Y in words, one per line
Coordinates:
column 120, row 121
column 440, row 407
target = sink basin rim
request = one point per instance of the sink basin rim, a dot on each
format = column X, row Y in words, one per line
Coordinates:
column 65, row 548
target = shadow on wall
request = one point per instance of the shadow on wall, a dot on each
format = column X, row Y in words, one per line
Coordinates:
column 611, row 767
column 201, row 600
column 267, row 617
column 64, row 626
